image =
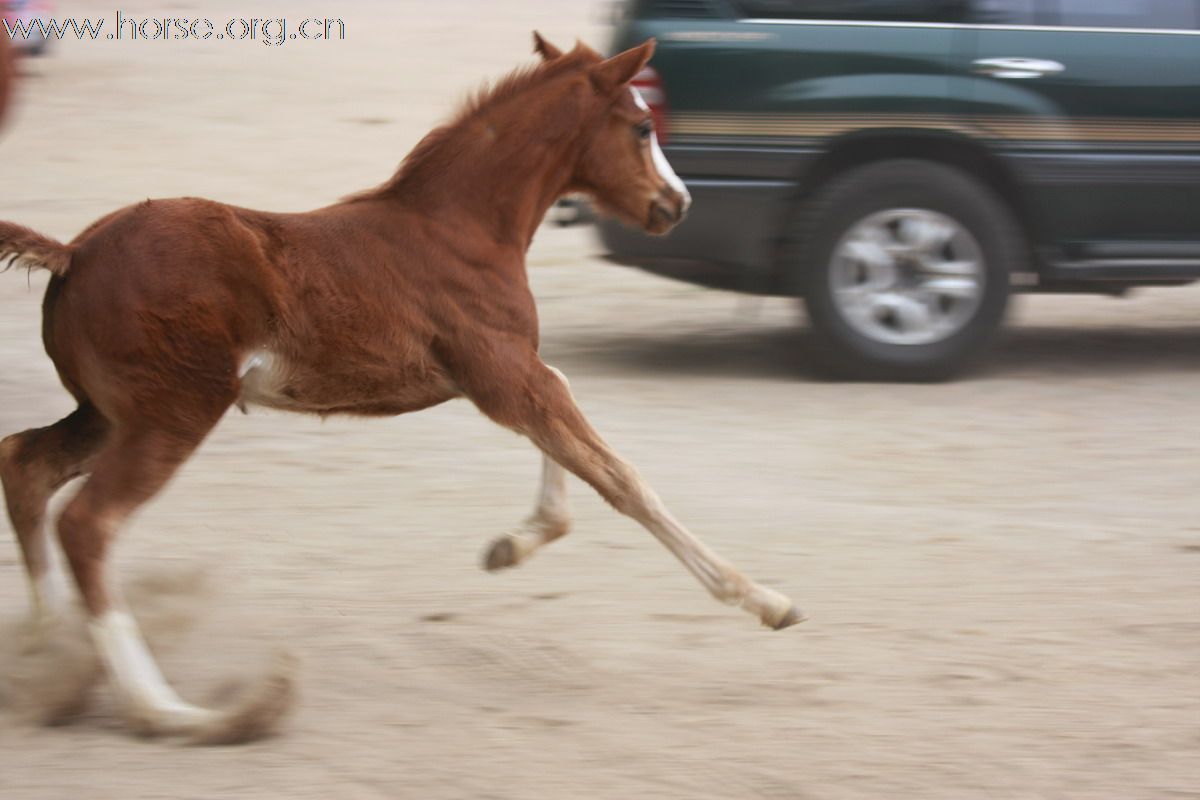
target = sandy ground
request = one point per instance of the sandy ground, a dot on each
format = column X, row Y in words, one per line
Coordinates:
column 1002, row 573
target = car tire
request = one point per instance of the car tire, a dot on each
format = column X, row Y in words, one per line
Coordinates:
column 905, row 269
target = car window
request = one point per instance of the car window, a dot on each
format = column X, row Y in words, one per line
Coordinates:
column 1008, row 12
column 857, row 10
column 1163, row 14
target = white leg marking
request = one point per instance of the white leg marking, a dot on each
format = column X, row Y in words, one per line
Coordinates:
column 721, row 578
column 549, row 520
column 552, row 516
column 50, row 594
column 137, row 677
column 552, row 499
column 665, row 171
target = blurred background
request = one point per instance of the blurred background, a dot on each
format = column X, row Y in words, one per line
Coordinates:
column 1001, row 569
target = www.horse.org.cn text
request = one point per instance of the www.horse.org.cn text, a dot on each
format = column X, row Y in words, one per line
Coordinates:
column 272, row 32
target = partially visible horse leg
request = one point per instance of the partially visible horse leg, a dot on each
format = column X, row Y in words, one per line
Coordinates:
column 528, row 397
column 550, row 520
column 132, row 468
column 33, row 466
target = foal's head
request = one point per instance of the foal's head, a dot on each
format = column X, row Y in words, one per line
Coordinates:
column 622, row 167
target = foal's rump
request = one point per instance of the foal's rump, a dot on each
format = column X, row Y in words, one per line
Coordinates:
column 152, row 301
column 172, row 303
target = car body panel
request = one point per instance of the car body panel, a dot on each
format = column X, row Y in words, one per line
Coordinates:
column 1108, row 148
column 703, row 249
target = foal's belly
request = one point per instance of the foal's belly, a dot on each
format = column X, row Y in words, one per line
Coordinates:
column 271, row 380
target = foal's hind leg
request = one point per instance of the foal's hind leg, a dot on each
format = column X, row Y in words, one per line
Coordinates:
column 550, row 520
column 528, row 397
column 132, row 468
column 33, row 466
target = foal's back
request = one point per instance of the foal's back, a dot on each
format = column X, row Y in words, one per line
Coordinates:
column 336, row 310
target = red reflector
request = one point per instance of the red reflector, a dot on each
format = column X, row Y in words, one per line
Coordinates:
column 650, row 86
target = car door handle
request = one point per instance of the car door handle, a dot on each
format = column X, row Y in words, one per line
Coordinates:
column 1017, row 68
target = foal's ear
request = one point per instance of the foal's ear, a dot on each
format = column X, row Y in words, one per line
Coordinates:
column 608, row 76
column 547, row 51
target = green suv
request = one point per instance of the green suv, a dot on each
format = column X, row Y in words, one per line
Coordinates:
column 902, row 165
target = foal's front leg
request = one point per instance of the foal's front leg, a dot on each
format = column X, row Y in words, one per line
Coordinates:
column 550, row 520
column 536, row 402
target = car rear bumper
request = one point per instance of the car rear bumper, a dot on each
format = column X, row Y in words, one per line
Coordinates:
column 728, row 240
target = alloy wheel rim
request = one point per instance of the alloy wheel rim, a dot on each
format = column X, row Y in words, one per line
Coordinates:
column 908, row 276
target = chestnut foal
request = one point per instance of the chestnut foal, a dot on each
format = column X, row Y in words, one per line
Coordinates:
column 161, row 316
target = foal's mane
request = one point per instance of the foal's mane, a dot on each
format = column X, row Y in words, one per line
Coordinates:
column 430, row 152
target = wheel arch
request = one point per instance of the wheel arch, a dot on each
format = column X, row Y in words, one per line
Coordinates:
column 866, row 147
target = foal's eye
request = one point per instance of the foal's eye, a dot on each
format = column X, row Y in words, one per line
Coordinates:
column 645, row 130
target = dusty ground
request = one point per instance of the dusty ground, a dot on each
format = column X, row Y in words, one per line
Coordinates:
column 1002, row 573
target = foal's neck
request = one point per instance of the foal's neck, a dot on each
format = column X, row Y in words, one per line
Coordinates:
column 512, row 180
column 496, row 171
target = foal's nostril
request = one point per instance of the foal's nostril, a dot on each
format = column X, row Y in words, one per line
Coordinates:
column 673, row 205
column 668, row 207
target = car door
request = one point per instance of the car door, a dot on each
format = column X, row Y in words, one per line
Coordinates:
column 1096, row 106
column 822, row 68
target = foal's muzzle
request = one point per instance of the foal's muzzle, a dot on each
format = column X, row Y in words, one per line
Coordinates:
column 667, row 210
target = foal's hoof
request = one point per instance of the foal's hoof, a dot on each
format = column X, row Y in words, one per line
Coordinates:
column 501, row 555
column 260, row 713
column 792, row 617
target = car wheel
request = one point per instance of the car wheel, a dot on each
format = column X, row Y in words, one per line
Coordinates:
column 905, row 270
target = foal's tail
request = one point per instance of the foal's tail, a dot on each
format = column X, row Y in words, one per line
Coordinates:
column 22, row 247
